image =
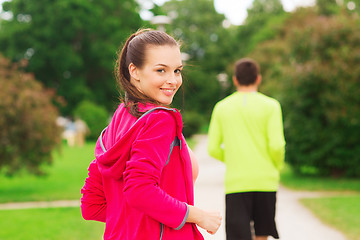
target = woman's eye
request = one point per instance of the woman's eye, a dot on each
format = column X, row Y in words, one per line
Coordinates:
column 160, row 70
column 178, row 71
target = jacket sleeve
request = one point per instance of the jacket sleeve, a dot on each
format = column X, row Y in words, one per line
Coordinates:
column 93, row 201
column 149, row 155
column 215, row 139
column 276, row 138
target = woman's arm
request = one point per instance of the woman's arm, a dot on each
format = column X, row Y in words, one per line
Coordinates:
column 215, row 139
column 209, row 221
column 194, row 165
column 93, row 201
column 149, row 154
column 142, row 179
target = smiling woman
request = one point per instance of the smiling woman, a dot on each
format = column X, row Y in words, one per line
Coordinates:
column 143, row 165
column 160, row 77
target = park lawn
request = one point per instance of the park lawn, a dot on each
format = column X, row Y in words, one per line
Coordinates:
column 49, row 223
column 290, row 180
column 341, row 210
column 64, row 178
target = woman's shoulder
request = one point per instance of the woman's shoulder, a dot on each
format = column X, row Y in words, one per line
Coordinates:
column 161, row 114
column 165, row 118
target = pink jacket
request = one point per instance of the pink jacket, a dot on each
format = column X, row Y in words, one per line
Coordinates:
column 141, row 182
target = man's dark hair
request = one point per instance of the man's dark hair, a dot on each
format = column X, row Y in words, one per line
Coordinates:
column 246, row 71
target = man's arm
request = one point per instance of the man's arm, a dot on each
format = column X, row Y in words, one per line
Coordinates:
column 215, row 139
column 276, row 138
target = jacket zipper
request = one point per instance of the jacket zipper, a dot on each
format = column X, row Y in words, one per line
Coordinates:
column 161, row 230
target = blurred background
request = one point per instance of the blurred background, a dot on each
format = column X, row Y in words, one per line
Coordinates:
column 58, row 91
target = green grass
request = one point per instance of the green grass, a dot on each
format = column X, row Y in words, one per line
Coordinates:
column 290, row 180
column 64, row 179
column 49, row 224
column 341, row 210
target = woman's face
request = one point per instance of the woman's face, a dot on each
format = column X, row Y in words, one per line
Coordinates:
column 160, row 76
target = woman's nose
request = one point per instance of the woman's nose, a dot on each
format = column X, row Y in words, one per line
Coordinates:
column 172, row 78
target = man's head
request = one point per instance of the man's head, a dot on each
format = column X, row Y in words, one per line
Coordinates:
column 246, row 72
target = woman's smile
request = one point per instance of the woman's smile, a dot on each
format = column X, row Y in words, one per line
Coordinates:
column 168, row 91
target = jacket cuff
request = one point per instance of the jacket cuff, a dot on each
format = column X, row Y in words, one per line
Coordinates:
column 185, row 218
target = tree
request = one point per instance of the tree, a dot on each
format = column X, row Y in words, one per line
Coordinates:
column 313, row 69
column 263, row 22
column 70, row 44
column 260, row 8
column 208, row 45
column 27, row 119
column 327, row 7
column 334, row 7
column 95, row 117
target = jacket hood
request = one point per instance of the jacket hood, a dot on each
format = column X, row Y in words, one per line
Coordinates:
column 113, row 147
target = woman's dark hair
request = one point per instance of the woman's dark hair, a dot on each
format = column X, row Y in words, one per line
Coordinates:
column 246, row 71
column 134, row 51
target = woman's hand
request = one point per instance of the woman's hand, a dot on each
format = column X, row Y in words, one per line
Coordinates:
column 210, row 221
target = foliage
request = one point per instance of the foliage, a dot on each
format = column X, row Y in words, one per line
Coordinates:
column 334, row 7
column 263, row 22
column 193, row 121
column 70, row 44
column 261, row 8
column 50, row 224
column 63, row 180
column 327, row 7
column 27, row 120
column 95, row 117
column 209, row 47
column 316, row 75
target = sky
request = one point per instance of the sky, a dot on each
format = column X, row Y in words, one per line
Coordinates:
column 235, row 10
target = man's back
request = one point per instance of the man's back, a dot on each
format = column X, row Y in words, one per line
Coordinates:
column 246, row 132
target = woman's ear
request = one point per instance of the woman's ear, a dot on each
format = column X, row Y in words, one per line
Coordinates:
column 133, row 72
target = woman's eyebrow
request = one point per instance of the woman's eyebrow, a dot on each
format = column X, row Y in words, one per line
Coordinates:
column 161, row 65
column 164, row 65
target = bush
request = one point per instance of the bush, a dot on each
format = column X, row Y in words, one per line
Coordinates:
column 27, row 120
column 323, row 98
column 193, row 121
column 320, row 92
column 95, row 116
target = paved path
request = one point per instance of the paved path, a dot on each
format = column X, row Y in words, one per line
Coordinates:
column 45, row 204
column 294, row 221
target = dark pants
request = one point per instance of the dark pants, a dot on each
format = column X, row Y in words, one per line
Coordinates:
column 243, row 209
